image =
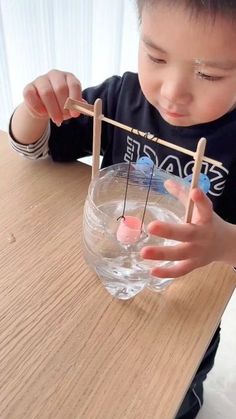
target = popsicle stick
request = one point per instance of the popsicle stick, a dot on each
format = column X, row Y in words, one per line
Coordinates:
column 83, row 107
column 195, row 179
column 149, row 136
column 80, row 106
column 97, row 129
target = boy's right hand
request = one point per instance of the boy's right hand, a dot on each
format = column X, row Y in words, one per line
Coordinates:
column 45, row 97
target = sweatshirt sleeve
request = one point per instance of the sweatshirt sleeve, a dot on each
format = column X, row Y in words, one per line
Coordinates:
column 37, row 150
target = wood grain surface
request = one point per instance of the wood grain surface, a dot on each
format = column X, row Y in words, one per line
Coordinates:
column 68, row 350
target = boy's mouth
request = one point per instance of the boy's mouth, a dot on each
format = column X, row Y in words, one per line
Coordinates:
column 173, row 114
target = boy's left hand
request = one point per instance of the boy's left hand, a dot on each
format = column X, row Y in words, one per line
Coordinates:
column 201, row 241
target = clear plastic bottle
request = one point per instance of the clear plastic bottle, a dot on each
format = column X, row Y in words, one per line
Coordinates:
column 118, row 264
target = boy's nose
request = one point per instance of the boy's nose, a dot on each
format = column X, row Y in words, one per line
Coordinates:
column 176, row 90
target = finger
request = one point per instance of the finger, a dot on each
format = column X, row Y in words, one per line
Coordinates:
column 75, row 91
column 61, row 90
column 178, row 190
column 170, row 253
column 176, row 270
column 33, row 102
column 203, row 206
column 48, row 97
column 203, row 209
column 182, row 232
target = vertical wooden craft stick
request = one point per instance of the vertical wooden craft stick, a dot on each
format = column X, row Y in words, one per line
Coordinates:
column 97, row 129
column 196, row 173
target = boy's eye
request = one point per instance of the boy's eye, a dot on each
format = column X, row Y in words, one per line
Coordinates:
column 207, row 77
column 156, row 60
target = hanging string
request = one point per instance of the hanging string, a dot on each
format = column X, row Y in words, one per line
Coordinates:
column 149, row 136
column 127, row 183
column 147, row 197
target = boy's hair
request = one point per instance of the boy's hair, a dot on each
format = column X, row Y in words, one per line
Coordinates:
column 210, row 8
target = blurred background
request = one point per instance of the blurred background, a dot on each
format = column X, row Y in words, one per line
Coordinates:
column 93, row 39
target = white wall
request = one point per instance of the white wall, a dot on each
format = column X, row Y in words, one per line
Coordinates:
column 92, row 38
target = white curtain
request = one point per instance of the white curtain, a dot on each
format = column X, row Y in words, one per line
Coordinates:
column 94, row 39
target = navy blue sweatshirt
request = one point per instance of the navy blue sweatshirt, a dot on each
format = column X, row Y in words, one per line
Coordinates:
column 124, row 102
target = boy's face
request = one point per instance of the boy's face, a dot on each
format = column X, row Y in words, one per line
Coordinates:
column 187, row 65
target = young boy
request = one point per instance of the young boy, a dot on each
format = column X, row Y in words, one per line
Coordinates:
column 185, row 89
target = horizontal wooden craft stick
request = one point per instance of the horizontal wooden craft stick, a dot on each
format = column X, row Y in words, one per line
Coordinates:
column 80, row 106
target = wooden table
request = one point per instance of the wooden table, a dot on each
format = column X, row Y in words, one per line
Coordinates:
column 67, row 348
